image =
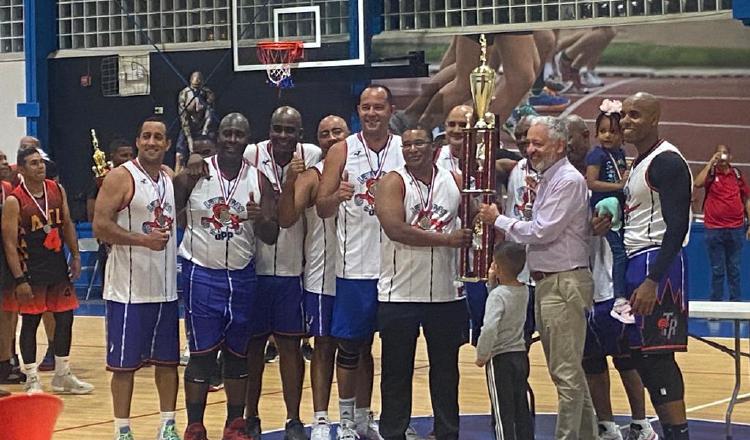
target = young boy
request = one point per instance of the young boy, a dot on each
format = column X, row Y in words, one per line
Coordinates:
column 502, row 349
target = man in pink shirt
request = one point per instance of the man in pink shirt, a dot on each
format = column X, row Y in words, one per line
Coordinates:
column 557, row 239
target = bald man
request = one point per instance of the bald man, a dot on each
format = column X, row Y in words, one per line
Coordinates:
column 320, row 270
column 578, row 141
column 657, row 224
column 227, row 209
column 283, row 158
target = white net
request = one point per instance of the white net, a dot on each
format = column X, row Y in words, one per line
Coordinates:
column 278, row 58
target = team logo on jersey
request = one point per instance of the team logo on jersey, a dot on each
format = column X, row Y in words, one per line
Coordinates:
column 436, row 219
column 161, row 218
column 629, row 207
column 223, row 223
column 366, row 199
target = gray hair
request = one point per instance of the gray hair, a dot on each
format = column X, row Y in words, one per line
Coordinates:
column 556, row 127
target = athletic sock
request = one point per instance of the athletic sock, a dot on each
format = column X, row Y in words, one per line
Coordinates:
column 609, row 425
column 195, row 412
column 31, row 369
column 234, row 412
column 166, row 417
column 62, row 365
column 320, row 416
column 121, row 424
column 643, row 423
column 346, row 410
column 680, row 432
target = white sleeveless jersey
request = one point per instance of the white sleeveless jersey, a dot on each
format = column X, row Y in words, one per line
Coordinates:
column 136, row 274
column 320, row 250
column 217, row 235
column 447, row 161
column 284, row 258
column 422, row 274
column 357, row 227
column 644, row 222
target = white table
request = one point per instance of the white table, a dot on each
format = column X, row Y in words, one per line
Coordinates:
column 727, row 311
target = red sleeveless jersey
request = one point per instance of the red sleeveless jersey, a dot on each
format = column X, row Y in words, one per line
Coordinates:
column 42, row 255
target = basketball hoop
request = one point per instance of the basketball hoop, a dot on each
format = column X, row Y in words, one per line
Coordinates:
column 278, row 56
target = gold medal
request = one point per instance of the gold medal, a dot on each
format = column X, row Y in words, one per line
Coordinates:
column 47, row 228
column 424, row 222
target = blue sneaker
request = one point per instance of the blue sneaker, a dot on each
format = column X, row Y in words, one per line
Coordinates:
column 547, row 102
column 519, row 112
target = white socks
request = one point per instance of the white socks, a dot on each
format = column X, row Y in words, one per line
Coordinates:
column 320, row 417
column 31, row 369
column 120, row 424
column 62, row 365
column 346, row 411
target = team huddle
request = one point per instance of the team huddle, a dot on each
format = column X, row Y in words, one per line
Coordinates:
column 357, row 235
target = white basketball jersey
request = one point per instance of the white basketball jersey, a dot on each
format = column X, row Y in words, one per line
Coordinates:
column 284, row 258
column 644, row 222
column 520, row 195
column 357, row 227
column 136, row 274
column 447, row 161
column 320, row 250
column 600, row 257
column 422, row 274
column 217, row 235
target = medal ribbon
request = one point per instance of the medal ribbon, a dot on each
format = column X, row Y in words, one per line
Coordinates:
column 426, row 205
column 614, row 163
column 160, row 187
column 379, row 171
column 43, row 212
column 269, row 149
column 230, row 187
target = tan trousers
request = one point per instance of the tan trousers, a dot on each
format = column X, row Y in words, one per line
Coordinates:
column 561, row 303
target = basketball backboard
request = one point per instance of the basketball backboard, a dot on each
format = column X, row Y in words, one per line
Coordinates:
column 333, row 31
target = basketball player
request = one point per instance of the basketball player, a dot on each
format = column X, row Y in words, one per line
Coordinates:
column 282, row 158
column 320, row 270
column 347, row 187
column 35, row 224
column 135, row 213
column 218, row 270
column 657, row 224
column 417, row 205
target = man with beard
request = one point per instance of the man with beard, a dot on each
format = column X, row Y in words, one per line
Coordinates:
column 218, row 271
column 347, row 189
column 135, row 213
column 278, row 310
column 657, row 225
column 320, row 270
column 557, row 236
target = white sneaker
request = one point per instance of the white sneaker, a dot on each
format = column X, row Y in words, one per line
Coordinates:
column 321, row 431
column 70, row 384
column 368, row 429
column 411, row 434
column 590, row 79
column 346, row 433
column 622, row 312
column 642, row 432
column 33, row 385
column 168, row 431
column 609, row 432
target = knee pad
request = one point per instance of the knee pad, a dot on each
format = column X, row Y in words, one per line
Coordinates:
column 662, row 378
column 235, row 367
column 200, row 366
column 594, row 365
column 347, row 356
column 624, row 363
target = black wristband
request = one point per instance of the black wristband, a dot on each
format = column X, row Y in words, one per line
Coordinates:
column 22, row 279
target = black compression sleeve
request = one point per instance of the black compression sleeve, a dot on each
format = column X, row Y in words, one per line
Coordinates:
column 669, row 172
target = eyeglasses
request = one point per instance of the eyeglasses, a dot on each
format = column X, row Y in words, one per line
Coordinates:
column 419, row 143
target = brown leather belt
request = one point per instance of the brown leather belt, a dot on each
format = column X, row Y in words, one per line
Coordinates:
column 539, row 275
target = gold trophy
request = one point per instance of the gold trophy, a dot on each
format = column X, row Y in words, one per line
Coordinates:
column 478, row 169
column 101, row 164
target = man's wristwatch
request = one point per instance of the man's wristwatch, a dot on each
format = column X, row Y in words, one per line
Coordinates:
column 22, row 279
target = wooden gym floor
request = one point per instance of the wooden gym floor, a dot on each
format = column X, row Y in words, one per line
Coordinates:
column 709, row 377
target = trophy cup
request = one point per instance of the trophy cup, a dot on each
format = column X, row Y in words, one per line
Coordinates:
column 101, row 164
column 478, row 169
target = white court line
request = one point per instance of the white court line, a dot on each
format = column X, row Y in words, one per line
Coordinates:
column 588, row 97
column 691, row 124
column 718, row 402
